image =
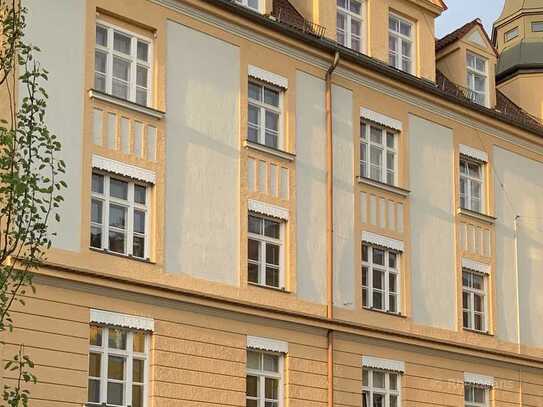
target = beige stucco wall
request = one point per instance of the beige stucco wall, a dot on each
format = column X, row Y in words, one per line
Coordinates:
column 432, row 233
column 520, row 90
column 202, row 158
column 46, row 29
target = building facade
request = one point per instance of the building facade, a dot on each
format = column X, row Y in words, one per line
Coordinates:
column 278, row 203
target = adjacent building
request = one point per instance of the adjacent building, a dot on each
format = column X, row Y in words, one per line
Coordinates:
column 287, row 203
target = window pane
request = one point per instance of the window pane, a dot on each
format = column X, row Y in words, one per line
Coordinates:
column 121, row 43
column 98, row 183
column 100, row 82
column 95, row 335
column 116, row 242
column 138, row 247
column 378, row 300
column 392, row 303
column 121, row 69
column 392, row 283
column 272, row 277
column 271, row 363
column 340, row 21
column 272, row 121
column 365, row 250
column 255, row 91
column 96, row 211
column 115, row 393
column 115, row 368
column 253, row 276
column 479, row 395
column 255, row 225
column 137, row 370
column 140, row 194
column 272, row 388
column 272, row 229
column 393, row 401
column 356, row 6
column 137, row 396
column 254, row 360
column 254, row 115
column 100, row 60
column 405, row 28
column 143, row 50
column 378, row 400
column 254, row 250
column 117, row 216
column 392, row 260
column 94, row 364
column 365, row 381
column 272, row 140
column 477, row 281
column 141, row 76
column 139, row 221
column 119, row 89
column 379, row 257
column 378, row 380
column 94, row 391
column 406, row 49
column 376, row 135
column 96, row 237
column 139, row 342
column 478, row 322
column 393, row 24
column 272, row 254
column 101, row 36
column 378, row 279
column 141, row 96
column 271, row 97
column 393, row 380
column 252, row 386
column 118, row 189
column 117, row 338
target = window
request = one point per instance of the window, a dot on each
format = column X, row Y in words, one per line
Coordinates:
column 477, row 82
column 252, row 4
column 264, row 379
column 400, row 43
column 119, row 215
column 537, row 26
column 380, row 388
column 378, row 153
column 474, row 300
column 117, row 367
column 475, row 396
column 265, row 251
column 122, row 65
column 471, row 185
column 380, row 279
column 349, row 24
column 511, row 34
column 264, row 115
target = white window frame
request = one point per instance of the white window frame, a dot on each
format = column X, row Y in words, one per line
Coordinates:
column 400, row 38
column 469, row 181
column 349, row 17
column 537, row 26
column 262, row 108
column 386, row 392
column 263, row 241
column 473, row 403
column 472, row 292
column 473, row 72
column 129, row 355
column 511, row 34
column 133, row 59
column 387, row 272
column 245, row 3
column 365, row 159
column 131, row 205
column 263, row 374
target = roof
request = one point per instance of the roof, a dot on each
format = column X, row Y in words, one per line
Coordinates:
column 459, row 33
column 514, row 6
column 523, row 55
column 325, row 45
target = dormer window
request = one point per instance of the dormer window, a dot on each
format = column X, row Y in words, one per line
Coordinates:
column 400, row 43
column 252, row 4
column 477, row 78
column 349, row 24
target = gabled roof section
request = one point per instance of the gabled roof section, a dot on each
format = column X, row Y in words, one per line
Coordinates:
column 461, row 32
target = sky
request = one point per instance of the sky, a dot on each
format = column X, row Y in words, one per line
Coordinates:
column 462, row 11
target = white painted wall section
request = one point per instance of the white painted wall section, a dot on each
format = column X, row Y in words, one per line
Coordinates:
column 522, row 195
column 64, row 57
column 202, row 156
column 311, row 185
column 344, row 238
column 432, row 236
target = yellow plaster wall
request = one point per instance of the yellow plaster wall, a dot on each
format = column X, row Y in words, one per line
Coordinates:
column 520, row 90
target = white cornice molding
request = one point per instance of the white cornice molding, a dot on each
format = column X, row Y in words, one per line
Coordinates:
column 380, row 119
column 127, row 170
column 269, row 77
column 323, row 64
column 382, row 241
column 121, row 320
column 267, row 209
column 475, row 266
column 478, row 379
column 268, row 345
column 473, row 153
column 383, row 364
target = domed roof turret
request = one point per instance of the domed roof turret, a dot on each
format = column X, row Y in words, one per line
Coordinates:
column 511, row 7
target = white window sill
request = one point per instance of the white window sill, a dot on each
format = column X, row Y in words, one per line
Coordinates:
column 380, row 311
column 269, row 150
column 280, row 290
column 477, row 215
column 385, row 187
column 126, row 104
column 124, row 256
column 475, row 331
